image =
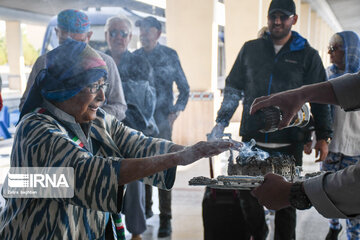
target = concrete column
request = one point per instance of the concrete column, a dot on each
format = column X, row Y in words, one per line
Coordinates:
column 193, row 33
column 328, row 35
column 324, row 41
column 16, row 75
column 263, row 13
column 305, row 20
column 313, row 29
column 297, row 26
column 242, row 24
column 319, row 37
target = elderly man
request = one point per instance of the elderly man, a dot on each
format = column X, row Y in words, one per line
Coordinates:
column 137, row 80
column 280, row 60
column 167, row 70
column 75, row 24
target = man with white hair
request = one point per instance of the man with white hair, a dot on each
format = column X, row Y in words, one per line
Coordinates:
column 138, row 84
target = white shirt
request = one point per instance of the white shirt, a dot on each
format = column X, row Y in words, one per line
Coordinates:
column 346, row 127
column 277, row 48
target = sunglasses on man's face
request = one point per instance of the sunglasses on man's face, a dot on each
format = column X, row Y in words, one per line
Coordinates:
column 115, row 33
column 283, row 18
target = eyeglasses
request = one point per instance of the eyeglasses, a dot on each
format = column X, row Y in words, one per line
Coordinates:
column 115, row 33
column 333, row 48
column 95, row 87
column 283, row 18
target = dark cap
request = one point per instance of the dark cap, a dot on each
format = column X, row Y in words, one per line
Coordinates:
column 285, row 6
column 149, row 22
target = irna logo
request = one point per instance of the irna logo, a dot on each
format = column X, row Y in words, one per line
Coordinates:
column 37, row 180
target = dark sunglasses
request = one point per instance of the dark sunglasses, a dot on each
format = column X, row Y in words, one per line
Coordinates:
column 332, row 48
column 115, row 33
column 95, row 87
column 283, row 18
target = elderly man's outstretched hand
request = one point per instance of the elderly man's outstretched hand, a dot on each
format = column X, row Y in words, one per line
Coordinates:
column 274, row 192
column 289, row 103
column 202, row 150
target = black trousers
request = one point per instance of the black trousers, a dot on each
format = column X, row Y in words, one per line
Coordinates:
column 222, row 215
column 285, row 219
column 254, row 215
column 164, row 201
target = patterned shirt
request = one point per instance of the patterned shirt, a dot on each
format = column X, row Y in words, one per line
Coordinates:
column 46, row 140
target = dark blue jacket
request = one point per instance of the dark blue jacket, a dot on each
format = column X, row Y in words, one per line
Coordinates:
column 258, row 71
column 137, row 80
column 167, row 70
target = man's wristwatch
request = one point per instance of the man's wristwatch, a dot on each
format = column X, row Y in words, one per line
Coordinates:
column 328, row 140
column 298, row 198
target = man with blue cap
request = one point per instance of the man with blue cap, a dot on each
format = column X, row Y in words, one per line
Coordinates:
column 76, row 25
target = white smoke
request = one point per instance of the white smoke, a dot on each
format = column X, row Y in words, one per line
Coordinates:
column 249, row 150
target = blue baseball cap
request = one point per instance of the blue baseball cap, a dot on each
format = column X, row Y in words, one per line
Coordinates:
column 73, row 21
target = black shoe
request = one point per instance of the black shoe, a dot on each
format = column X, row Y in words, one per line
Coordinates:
column 148, row 213
column 165, row 227
column 333, row 233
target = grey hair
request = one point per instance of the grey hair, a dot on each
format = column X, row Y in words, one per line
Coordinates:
column 119, row 19
column 336, row 39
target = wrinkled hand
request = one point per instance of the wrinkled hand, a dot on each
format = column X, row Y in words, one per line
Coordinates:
column 274, row 192
column 289, row 103
column 322, row 148
column 172, row 117
column 203, row 149
column 217, row 132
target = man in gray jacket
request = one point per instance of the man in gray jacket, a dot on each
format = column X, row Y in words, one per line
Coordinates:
column 334, row 195
column 75, row 24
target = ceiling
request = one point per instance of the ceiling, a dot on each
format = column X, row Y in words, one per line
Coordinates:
column 49, row 8
column 346, row 11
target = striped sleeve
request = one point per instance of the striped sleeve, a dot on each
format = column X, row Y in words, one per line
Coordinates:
column 44, row 144
column 134, row 144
